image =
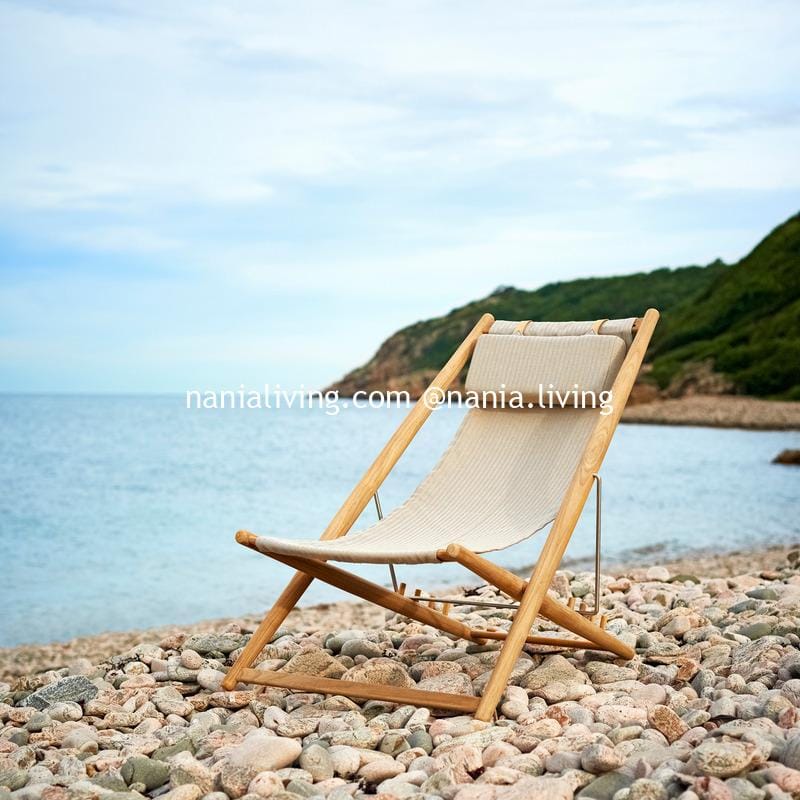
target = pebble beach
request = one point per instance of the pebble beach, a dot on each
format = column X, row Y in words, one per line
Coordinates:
column 708, row 710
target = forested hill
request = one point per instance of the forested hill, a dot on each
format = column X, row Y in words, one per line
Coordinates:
column 724, row 328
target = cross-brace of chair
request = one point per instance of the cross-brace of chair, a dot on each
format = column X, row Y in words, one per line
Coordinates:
column 532, row 596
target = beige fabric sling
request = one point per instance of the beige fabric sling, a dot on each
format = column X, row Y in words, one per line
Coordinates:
column 506, row 471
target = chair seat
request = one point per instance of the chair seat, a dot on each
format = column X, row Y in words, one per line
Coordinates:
column 500, row 481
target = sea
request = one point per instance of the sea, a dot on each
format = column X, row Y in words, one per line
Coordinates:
column 119, row 512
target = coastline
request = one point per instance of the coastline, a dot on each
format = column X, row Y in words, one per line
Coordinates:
column 26, row 659
column 717, row 411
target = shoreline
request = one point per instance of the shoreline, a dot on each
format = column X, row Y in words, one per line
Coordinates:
column 717, row 411
column 32, row 658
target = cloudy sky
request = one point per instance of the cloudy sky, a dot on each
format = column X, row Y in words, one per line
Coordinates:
column 197, row 195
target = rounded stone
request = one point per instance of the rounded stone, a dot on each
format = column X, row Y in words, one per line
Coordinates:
column 381, row 770
column 144, row 770
column 597, row 758
column 361, row 647
column 721, row 759
column 316, row 760
column 421, row 739
column 380, row 670
column 261, row 751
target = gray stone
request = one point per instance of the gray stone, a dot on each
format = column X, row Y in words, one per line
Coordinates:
column 606, row 786
column 555, row 679
column 13, row 778
column 724, row 708
column 791, row 753
column 184, row 744
column 300, row 788
column 603, row 672
column 743, row 789
column 394, row 743
column 108, row 780
column 763, row 593
column 205, row 643
column 144, row 770
column 336, row 641
column 75, row 688
column 363, row 736
column 421, row 739
column 756, row 630
column 37, row 722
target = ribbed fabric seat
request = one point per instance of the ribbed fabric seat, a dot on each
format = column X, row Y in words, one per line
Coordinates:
column 505, row 473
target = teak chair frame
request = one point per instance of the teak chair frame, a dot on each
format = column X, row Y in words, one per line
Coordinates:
column 532, row 594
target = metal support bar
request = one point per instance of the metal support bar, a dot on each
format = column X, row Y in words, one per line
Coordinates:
column 380, row 517
column 598, row 529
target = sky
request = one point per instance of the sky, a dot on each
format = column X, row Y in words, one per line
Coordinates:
column 200, row 195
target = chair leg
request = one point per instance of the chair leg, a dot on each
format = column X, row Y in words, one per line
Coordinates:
column 266, row 630
column 509, row 653
column 372, row 592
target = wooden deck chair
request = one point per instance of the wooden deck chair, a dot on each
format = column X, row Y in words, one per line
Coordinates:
column 507, row 473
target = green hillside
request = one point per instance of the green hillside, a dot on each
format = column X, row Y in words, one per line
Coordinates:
column 741, row 320
column 747, row 321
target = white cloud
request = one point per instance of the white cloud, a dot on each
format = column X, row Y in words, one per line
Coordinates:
column 758, row 160
column 186, row 102
column 263, row 164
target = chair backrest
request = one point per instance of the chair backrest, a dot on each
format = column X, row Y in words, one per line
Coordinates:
column 505, row 473
column 574, row 361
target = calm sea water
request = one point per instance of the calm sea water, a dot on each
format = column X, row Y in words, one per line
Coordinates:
column 119, row 512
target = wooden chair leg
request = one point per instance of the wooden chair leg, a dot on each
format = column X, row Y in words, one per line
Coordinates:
column 515, row 587
column 266, row 630
column 509, row 653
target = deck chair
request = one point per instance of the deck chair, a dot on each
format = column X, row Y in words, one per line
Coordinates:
column 508, row 473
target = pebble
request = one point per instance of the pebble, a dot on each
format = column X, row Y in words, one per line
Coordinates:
column 315, row 662
column 667, row 722
column 606, row 786
column 721, row 759
column 261, row 751
column 213, row 643
column 144, row 770
column 380, row 670
column 708, row 710
column 381, row 770
column 316, row 760
column 265, row 784
column 597, row 758
column 361, row 647
column 556, row 680
column 74, row 688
